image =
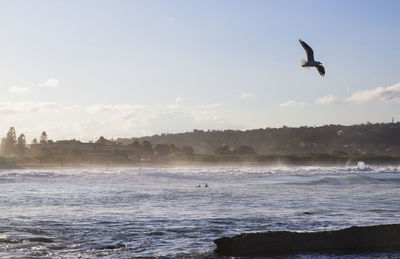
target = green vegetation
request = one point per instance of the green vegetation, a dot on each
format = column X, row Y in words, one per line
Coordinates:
column 332, row 144
column 6, row 162
column 380, row 138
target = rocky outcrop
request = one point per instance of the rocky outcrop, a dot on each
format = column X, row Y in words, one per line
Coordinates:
column 380, row 238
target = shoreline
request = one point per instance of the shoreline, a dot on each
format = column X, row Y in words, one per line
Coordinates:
column 169, row 164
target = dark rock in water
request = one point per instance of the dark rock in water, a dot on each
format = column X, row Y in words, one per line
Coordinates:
column 116, row 246
column 108, row 247
column 380, row 238
column 40, row 239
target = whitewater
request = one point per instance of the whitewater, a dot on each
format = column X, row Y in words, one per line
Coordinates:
column 162, row 213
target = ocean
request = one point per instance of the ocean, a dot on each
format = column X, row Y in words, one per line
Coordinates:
column 163, row 213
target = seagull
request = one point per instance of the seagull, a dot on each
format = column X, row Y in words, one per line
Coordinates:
column 310, row 59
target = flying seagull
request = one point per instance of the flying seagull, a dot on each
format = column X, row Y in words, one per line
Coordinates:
column 310, row 59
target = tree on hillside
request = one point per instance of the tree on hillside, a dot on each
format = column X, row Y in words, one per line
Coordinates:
column 162, row 150
column 136, row 150
column 186, row 150
column 224, row 150
column 244, row 150
column 2, row 146
column 21, row 145
column 8, row 143
column 103, row 141
column 43, row 138
column 34, row 141
column 147, row 149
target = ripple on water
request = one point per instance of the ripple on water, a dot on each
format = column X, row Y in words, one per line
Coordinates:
column 158, row 212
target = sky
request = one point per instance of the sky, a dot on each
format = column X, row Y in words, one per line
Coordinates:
column 85, row 69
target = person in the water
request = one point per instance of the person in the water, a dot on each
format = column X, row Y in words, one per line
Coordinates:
column 199, row 186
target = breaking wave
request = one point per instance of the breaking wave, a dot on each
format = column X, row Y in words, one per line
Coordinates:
column 198, row 174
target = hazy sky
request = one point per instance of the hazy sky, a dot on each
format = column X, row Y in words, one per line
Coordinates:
column 82, row 69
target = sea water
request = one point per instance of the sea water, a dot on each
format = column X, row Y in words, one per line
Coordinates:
column 162, row 213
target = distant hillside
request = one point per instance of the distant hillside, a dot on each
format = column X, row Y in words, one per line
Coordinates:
column 381, row 138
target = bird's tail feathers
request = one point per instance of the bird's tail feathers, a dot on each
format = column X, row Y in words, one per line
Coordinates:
column 303, row 62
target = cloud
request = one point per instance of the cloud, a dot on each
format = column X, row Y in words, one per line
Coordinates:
column 19, row 90
column 117, row 108
column 178, row 99
column 329, row 99
column 109, row 120
column 291, row 103
column 246, row 95
column 377, row 95
column 7, row 108
column 50, row 83
column 32, row 107
column 44, row 106
column 208, row 106
column 72, row 108
column 171, row 19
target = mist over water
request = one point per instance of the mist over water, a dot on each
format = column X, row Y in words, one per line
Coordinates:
column 159, row 212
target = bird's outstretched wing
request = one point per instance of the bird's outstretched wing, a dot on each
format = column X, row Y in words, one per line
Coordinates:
column 309, row 51
column 321, row 70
